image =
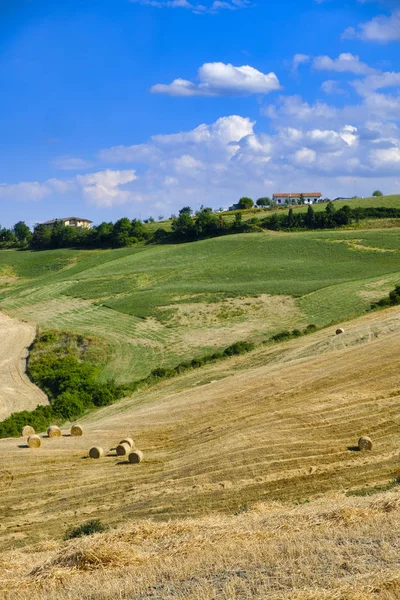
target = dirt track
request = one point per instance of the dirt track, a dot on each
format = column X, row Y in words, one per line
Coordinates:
column 16, row 391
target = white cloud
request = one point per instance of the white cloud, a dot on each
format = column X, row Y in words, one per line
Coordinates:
column 380, row 29
column 196, row 7
column 345, row 63
column 309, row 144
column 219, row 79
column 330, row 86
column 70, row 163
column 376, row 82
column 104, row 187
column 299, row 59
column 32, row 190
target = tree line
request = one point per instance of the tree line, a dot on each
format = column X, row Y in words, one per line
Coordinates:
column 185, row 227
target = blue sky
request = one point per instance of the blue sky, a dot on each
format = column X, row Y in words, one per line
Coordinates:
column 115, row 108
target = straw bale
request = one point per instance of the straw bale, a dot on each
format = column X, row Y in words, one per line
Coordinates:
column 27, row 431
column 365, row 443
column 96, row 452
column 128, row 441
column 135, row 457
column 123, row 449
column 76, row 430
column 34, row 441
column 53, row 431
column 339, row 331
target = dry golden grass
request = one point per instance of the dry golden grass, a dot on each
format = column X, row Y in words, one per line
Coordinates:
column 334, row 548
column 275, row 431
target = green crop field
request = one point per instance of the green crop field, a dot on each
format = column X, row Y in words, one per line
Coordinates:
column 158, row 305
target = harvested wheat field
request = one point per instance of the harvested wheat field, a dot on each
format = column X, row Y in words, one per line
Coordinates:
column 242, row 493
column 16, row 391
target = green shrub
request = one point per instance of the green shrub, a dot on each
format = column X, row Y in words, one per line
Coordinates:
column 310, row 329
column 94, row 526
column 282, row 336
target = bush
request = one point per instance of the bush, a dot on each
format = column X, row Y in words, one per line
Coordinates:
column 392, row 300
column 282, row 336
column 89, row 528
column 56, row 365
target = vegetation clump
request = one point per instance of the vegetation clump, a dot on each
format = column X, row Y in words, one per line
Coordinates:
column 393, row 299
column 61, row 366
column 89, row 528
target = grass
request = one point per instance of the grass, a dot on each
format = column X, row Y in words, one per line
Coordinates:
column 377, row 489
column 155, row 306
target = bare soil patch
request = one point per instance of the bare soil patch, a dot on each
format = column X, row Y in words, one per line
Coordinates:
column 16, row 391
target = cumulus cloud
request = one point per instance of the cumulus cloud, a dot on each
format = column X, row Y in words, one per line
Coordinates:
column 219, row 79
column 299, row 59
column 381, row 29
column 33, row 190
column 196, row 7
column 345, row 63
column 104, row 187
column 330, row 86
column 376, row 82
column 234, row 155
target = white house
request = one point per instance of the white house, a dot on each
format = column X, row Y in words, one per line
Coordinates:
column 71, row 222
column 309, row 197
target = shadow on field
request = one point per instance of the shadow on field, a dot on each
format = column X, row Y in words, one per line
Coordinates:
column 23, row 446
column 353, row 448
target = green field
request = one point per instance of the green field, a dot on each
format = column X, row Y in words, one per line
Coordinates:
column 158, row 305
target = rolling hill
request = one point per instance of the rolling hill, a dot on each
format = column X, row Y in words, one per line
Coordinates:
column 250, row 488
column 158, row 305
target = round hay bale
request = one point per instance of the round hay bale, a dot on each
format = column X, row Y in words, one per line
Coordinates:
column 34, row 441
column 365, row 443
column 339, row 331
column 53, row 431
column 128, row 441
column 27, row 431
column 135, row 457
column 123, row 449
column 76, row 430
column 96, row 452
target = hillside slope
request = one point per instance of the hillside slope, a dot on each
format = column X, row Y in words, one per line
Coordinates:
column 276, row 426
column 158, row 305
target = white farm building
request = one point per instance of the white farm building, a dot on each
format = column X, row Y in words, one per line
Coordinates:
column 309, row 197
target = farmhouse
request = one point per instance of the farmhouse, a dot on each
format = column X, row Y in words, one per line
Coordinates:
column 309, row 197
column 71, row 222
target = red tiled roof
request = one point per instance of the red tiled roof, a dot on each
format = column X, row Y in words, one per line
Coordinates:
column 315, row 194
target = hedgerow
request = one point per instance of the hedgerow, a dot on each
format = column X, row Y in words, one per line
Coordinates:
column 57, row 365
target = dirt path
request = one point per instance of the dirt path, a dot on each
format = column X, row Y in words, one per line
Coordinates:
column 16, row 391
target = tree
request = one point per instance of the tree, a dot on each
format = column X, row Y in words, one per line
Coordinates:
column 186, row 210
column 310, row 217
column 377, row 193
column 41, row 238
column 183, row 227
column 263, row 202
column 22, row 232
column 301, row 200
column 238, row 221
column 245, row 203
column 290, row 218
